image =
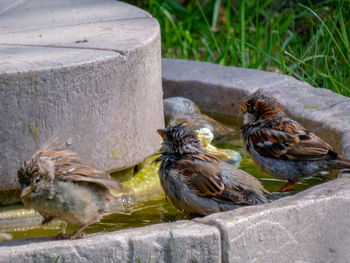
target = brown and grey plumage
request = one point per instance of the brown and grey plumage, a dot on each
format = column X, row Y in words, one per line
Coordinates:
column 282, row 147
column 198, row 182
column 58, row 185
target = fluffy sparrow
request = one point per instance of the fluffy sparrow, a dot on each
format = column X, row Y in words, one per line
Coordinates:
column 58, row 185
column 198, row 182
column 282, row 147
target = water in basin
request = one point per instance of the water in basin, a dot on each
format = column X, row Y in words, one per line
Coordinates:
column 149, row 208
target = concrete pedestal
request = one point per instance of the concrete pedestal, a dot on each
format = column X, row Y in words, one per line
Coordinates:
column 88, row 69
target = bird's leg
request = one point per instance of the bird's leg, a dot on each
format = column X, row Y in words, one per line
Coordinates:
column 76, row 234
column 79, row 233
column 47, row 220
column 62, row 234
column 287, row 187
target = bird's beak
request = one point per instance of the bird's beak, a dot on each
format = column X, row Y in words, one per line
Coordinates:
column 162, row 134
column 242, row 106
column 26, row 190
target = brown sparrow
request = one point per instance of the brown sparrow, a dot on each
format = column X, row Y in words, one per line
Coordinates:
column 282, row 147
column 58, row 185
column 198, row 182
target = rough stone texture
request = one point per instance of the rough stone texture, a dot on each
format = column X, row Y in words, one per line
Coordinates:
column 193, row 242
column 98, row 248
column 312, row 226
column 87, row 68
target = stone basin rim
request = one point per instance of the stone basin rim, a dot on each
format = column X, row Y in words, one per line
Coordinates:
column 181, row 78
column 100, row 54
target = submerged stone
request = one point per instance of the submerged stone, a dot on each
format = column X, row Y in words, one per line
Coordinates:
column 179, row 109
column 228, row 155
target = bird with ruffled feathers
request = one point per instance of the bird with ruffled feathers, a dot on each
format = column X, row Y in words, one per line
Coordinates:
column 199, row 183
column 57, row 184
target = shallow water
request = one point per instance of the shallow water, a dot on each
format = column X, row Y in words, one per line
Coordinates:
column 149, row 208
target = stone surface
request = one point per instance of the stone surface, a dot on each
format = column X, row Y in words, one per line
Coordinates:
column 182, row 110
column 312, row 226
column 178, row 105
column 88, row 69
column 37, row 14
column 191, row 242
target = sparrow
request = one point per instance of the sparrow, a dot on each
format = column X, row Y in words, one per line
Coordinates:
column 182, row 110
column 58, row 185
column 199, row 183
column 282, row 147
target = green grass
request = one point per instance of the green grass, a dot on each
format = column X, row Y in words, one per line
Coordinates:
column 174, row 243
column 307, row 40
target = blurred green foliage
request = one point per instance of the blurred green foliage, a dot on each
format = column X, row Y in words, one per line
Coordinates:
column 305, row 39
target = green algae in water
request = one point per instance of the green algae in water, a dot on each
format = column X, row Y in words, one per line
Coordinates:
column 149, row 205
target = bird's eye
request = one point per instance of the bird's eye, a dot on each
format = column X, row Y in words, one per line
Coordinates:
column 38, row 179
column 250, row 108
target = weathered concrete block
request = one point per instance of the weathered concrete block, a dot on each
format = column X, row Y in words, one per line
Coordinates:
column 97, row 248
column 191, row 242
column 89, row 68
column 312, row 226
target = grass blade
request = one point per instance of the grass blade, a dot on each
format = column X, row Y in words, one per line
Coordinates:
column 329, row 32
column 242, row 32
column 215, row 14
column 174, row 243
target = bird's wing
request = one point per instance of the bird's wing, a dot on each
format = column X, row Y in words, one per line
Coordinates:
column 209, row 177
column 290, row 141
column 68, row 166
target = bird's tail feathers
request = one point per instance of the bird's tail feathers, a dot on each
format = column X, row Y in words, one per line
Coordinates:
column 58, row 142
column 341, row 163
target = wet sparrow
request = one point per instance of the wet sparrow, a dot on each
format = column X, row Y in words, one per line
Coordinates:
column 58, row 185
column 280, row 146
column 198, row 182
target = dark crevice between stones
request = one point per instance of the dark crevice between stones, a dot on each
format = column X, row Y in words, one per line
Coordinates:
column 131, row 251
column 223, row 237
